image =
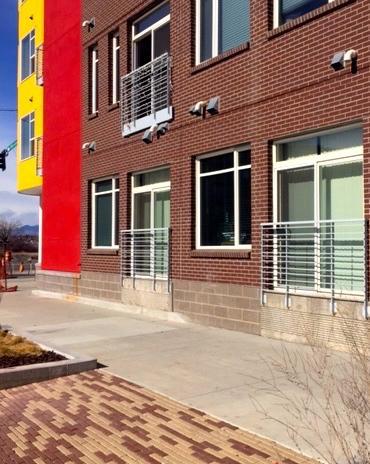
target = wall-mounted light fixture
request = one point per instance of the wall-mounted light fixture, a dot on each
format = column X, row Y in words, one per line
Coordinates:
column 89, row 146
column 341, row 59
column 89, row 23
column 212, row 107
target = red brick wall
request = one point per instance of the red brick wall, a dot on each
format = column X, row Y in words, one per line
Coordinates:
column 279, row 86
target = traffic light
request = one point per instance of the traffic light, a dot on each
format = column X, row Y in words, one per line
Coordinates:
column 3, row 156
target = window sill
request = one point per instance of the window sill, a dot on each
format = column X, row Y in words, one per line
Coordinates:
column 103, row 252
column 113, row 106
column 222, row 254
column 220, row 58
column 312, row 15
column 93, row 115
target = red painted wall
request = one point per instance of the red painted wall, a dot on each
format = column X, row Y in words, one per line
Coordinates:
column 62, row 136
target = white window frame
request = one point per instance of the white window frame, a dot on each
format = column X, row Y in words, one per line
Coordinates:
column 115, row 44
column 95, row 194
column 148, row 31
column 31, row 139
column 277, row 12
column 236, row 169
column 316, row 161
column 149, row 188
column 94, row 78
column 32, row 57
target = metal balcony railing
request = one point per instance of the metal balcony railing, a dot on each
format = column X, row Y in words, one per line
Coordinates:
column 40, row 65
column 327, row 258
column 146, row 95
column 145, row 254
column 39, row 156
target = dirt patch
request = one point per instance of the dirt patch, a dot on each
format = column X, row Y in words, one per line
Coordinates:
column 18, row 351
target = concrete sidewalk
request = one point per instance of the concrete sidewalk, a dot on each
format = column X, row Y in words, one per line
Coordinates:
column 220, row 372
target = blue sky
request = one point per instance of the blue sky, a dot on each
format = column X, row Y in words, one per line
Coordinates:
column 12, row 205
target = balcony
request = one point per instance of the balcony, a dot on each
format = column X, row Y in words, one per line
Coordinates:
column 39, row 156
column 145, row 255
column 327, row 259
column 40, row 65
column 146, row 96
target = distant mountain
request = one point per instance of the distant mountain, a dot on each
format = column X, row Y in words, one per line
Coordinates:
column 28, row 230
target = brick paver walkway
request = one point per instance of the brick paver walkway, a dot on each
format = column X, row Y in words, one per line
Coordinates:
column 99, row 418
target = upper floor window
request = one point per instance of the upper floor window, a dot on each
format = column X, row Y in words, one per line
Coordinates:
column 287, row 10
column 224, row 199
column 28, row 136
column 220, row 26
column 105, row 213
column 115, row 67
column 28, row 55
column 93, row 79
column 151, row 35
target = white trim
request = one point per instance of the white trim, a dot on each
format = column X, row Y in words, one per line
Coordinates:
column 277, row 13
column 235, row 169
column 115, row 44
column 143, row 123
column 31, row 140
column 95, row 194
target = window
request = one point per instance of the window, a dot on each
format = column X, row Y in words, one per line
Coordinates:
column 105, row 213
column 28, row 136
column 151, row 35
column 224, row 199
column 220, row 26
column 287, row 10
column 93, row 79
column 115, row 67
column 28, row 55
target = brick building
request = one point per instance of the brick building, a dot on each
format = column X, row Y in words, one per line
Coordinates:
column 247, row 211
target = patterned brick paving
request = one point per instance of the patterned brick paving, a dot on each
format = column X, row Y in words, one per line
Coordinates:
column 98, row 418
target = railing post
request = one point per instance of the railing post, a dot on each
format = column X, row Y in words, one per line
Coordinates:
column 366, row 272
column 332, row 269
column 262, row 299
column 169, row 260
column 152, row 262
column 133, row 260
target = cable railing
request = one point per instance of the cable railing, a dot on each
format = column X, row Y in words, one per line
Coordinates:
column 326, row 257
column 40, row 65
column 145, row 254
column 39, row 156
column 146, row 94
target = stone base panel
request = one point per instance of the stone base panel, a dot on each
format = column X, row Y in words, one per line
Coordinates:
column 227, row 306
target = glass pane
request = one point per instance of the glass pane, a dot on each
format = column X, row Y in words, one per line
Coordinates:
column 25, row 136
column 206, row 19
column 103, row 186
column 162, row 40
column 152, row 18
column 103, row 221
column 296, row 202
column 217, row 163
column 161, row 209
column 245, row 206
column 341, row 244
column 117, row 219
column 142, row 210
column 143, row 49
column 217, row 210
column 233, row 24
column 244, row 158
column 295, row 255
column 291, row 9
column 298, row 148
column 26, row 57
column 341, row 141
column 151, row 177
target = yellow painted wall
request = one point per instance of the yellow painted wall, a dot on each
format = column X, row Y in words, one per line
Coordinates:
column 30, row 94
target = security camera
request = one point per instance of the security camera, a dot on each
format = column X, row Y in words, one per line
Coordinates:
column 85, row 146
column 213, row 106
column 163, row 128
column 89, row 146
column 341, row 59
column 89, row 23
column 198, row 108
column 149, row 134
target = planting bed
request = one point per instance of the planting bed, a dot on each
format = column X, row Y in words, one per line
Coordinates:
column 18, row 351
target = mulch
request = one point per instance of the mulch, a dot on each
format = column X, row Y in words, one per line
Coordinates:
column 45, row 357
